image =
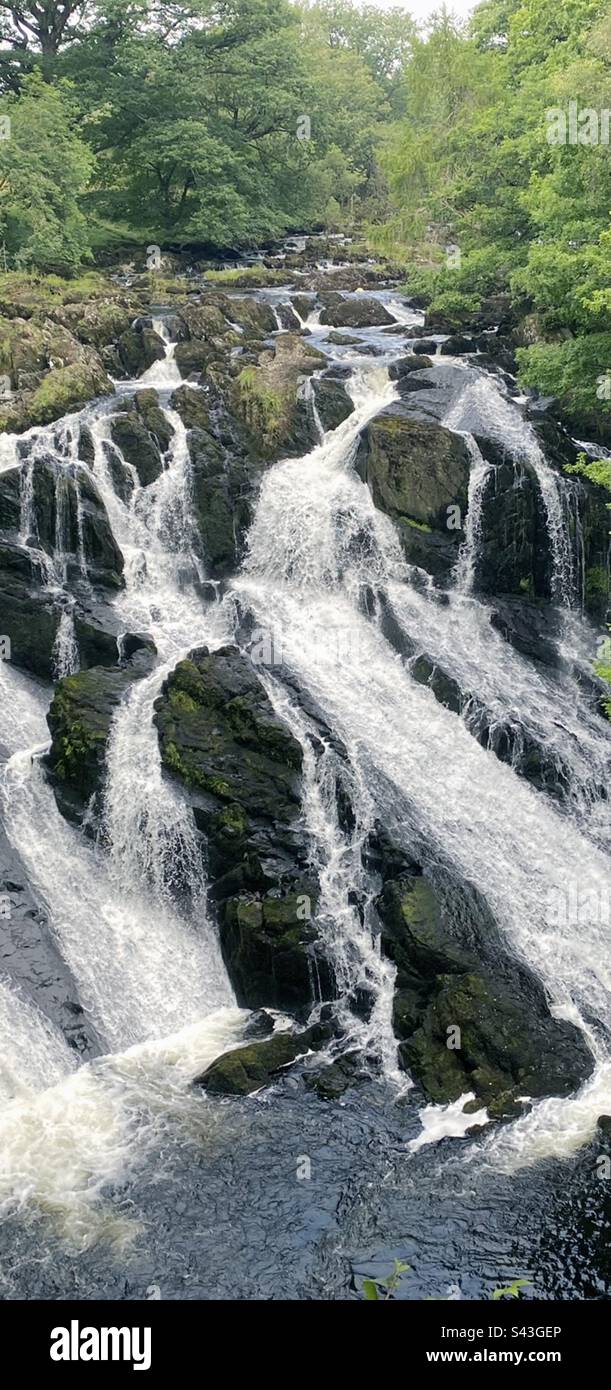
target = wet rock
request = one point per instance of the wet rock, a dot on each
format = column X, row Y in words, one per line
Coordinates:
column 203, row 320
column 154, row 418
column 343, row 339
column 457, row 345
column 92, row 535
column 79, row 719
column 332, row 1080
column 241, row 769
column 191, row 405
column 138, row 446
column 271, row 399
column 470, row 1020
column 532, row 629
column 30, row 618
column 404, row 365
column 248, row 1069
column 444, row 687
column 32, row 961
column 194, row 356
column 424, row 347
column 222, row 491
column 139, row 349
column 514, row 556
column 413, row 468
column 288, row 318
column 255, row 317
column 304, row 304
column 356, row 313
column 332, row 402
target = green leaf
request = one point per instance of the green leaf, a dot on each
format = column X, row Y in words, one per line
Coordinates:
column 370, row 1291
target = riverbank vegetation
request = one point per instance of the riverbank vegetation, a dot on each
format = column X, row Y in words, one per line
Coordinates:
column 474, row 154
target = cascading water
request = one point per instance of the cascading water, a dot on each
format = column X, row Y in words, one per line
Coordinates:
column 130, row 913
column 315, row 544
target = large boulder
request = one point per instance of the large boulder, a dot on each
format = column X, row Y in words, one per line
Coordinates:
column 418, row 473
column 241, row 769
column 470, row 1018
column 247, row 1069
column 138, row 445
column 79, row 718
column 30, row 617
column 66, row 518
column 513, row 555
column 333, row 403
column 139, row 348
column 360, row 312
column 272, row 401
column 222, row 489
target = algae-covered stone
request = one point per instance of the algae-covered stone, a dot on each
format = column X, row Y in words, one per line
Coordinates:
column 240, row 767
column 79, row 719
column 414, row 468
column 271, row 398
column 248, row 1069
column 138, row 446
column 154, row 418
column 465, row 1023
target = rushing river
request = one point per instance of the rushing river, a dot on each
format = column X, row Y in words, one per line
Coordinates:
column 116, row 1179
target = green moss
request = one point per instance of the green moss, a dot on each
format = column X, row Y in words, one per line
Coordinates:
column 597, row 582
column 181, row 700
column 65, row 389
column 250, row 275
column 233, row 818
column 266, row 409
column 596, row 470
column 418, row 525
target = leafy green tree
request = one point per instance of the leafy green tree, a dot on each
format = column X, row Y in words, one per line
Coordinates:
column 44, row 170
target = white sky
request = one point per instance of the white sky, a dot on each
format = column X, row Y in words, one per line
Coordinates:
column 420, row 9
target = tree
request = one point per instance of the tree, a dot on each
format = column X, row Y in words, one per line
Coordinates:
column 44, row 170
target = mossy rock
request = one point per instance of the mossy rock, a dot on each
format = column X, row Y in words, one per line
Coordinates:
column 466, row 1025
column 248, row 1069
column 270, row 398
column 333, row 403
column 414, row 468
column 139, row 349
column 154, row 418
column 139, row 448
column 79, row 718
column 191, row 405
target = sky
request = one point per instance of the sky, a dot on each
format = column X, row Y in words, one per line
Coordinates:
column 420, row 9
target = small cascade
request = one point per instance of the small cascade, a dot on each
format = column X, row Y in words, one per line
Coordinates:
column 164, row 375
column 307, row 394
column 483, row 409
column 466, row 564
column 344, row 911
column 65, row 651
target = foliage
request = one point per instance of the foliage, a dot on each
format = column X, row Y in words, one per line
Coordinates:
column 44, row 170
column 472, row 170
column 389, row 1284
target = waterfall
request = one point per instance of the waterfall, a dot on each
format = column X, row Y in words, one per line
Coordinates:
column 164, row 375
column 65, row 650
column 482, row 409
column 130, row 913
column 315, row 544
column 478, row 478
